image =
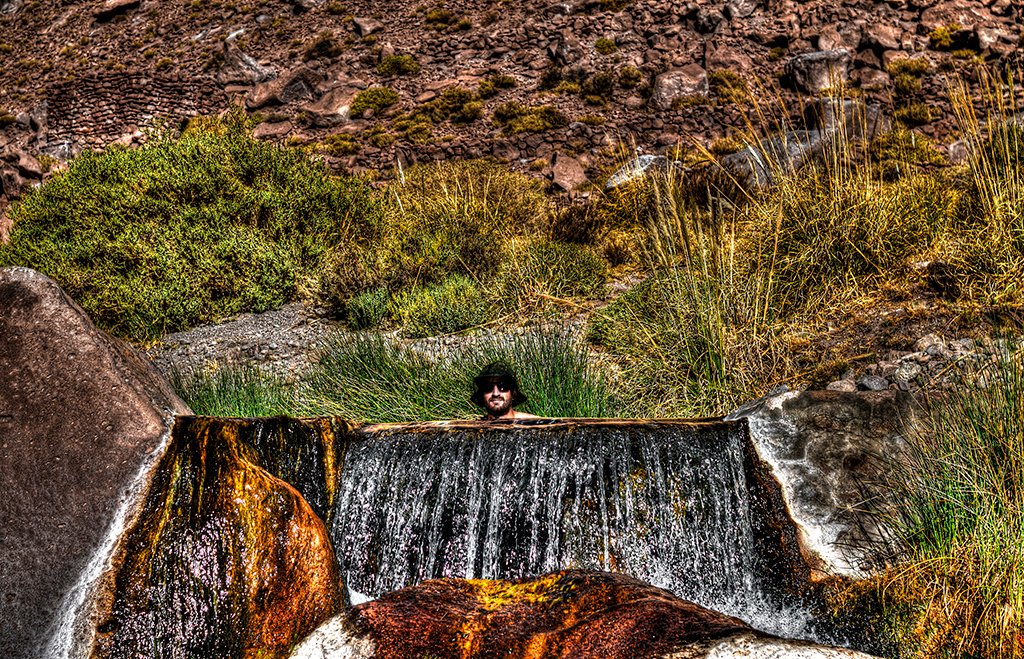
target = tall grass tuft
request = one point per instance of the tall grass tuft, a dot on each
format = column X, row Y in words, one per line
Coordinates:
column 370, row 378
column 236, row 391
column 959, row 514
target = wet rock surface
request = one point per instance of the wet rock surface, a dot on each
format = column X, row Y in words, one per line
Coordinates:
column 579, row 614
column 824, row 449
column 225, row 560
column 80, row 414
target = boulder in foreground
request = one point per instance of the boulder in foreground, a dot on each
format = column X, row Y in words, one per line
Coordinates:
column 578, row 614
column 81, row 416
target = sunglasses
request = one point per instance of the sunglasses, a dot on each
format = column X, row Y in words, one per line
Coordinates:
column 503, row 387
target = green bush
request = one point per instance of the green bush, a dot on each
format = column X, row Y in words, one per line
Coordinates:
column 373, row 98
column 915, row 114
column 236, row 391
column 450, row 306
column 369, row 378
column 398, row 65
column 325, row 45
column 368, row 309
column 518, row 118
column 956, row 513
column 605, row 46
column 630, row 77
column 729, row 86
column 185, row 230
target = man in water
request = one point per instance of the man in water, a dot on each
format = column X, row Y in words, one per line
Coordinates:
column 497, row 392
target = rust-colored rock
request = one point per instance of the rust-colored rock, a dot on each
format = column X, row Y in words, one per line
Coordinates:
column 225, row 560
column 564, row 614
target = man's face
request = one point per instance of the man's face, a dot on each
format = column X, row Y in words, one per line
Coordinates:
column 497, row 398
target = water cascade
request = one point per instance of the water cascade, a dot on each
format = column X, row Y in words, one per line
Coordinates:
column 668, row 502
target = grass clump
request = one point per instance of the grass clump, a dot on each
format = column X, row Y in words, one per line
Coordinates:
column 605, row 46
column 915, row 114
column 630, row 77
column 398, row 65
column 729, row 86
column 373, row 98
column 552, row 269
column 368, row 309
column 493, row 85
column 516, row 118
column 368, row 378
column 186, row 229
column 236, row 391
column 454, row 218
column 957, row 514
column 447, row 307
column 341, row 144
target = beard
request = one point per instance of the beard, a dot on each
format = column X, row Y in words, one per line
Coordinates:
column 498, row 406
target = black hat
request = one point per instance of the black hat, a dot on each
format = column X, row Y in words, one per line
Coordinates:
column 497, row 372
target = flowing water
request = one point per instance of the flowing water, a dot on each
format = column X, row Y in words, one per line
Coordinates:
column 666, row 503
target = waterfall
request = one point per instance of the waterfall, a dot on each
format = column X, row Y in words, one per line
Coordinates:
column 666, row 502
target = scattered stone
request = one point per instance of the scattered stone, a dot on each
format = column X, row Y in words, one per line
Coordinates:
column 816, row 72
column 29, row 167
column 872, row 383
column 759, row 165
column 848, row 386
column 112, row 8
column 691, row 80
column 365, row 26
column 332, row 108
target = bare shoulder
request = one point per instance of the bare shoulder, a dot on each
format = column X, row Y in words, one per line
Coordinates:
column 524, row 415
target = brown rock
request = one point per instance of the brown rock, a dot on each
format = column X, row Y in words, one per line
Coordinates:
column 882, row 36
column 332, row 108
column 816, row 72
column 365, row 26
column 272, row 131
column 6, row 224
column 10, row 183
column 567, row 173
column 294, row 86
column 238, row 67
column 112, row 8
column 225, row 559
column 80, row 414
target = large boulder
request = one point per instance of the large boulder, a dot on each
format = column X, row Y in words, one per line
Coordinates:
column 82, row 417
column 227, row 559
column 823, row 447
column 563, row 614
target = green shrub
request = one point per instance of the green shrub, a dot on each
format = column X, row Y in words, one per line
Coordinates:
column 944, row 37
column 956, row 514
column 440, row 19
column 368, row 309
column 341, row 144
column 912, row 66
column 906, row 84
column 916, row 114
column 450, row 306
column 398, row 65
column 368, row 378
column 492, row 85
column 599, row 86
column 373, row 98
column 630, row 77
column 236, row 391
column 517, row 118
column 185, row 230
column 7, row 119
column 605, row 46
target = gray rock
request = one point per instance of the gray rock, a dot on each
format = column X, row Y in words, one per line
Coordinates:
column 81, row 417
column 112, row 8
column 846, row 119
column 848, row 386
column 9, row 6
column 762, row 164
column 301, row 83
column 636, row 168
column 872, row 383
column 238, row 67
column 816, row 72
column 690, row 80
column 907, row 371
column 822, row 446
